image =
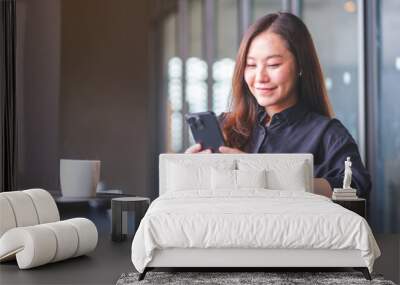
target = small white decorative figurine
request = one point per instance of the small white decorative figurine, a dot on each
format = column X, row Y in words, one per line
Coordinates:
column 347, row 174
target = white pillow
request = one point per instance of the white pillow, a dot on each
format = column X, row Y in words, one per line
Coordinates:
column 251, row 178
column 193, row 175
column 223, row 179
column 292, row 179
column 281, row 175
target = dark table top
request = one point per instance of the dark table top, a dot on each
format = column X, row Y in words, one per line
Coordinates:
column 131, row 199
column 100, row 197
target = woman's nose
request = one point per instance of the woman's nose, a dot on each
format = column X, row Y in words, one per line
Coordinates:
column 262, row 74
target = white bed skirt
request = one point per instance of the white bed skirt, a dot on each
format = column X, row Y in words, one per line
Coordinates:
column 193, row 257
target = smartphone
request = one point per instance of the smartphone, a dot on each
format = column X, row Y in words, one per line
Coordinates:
column 205, row 130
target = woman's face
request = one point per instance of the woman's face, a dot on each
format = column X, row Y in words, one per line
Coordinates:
column 271, row 72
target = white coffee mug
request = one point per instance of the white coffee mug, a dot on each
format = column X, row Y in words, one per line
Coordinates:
column 79, row 178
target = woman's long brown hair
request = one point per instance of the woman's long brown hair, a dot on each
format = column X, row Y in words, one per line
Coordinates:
column 240, row 121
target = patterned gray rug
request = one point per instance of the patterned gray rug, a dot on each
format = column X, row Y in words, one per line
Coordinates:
column 228, row 278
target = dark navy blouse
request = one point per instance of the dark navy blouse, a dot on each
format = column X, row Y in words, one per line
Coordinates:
column 298, row 130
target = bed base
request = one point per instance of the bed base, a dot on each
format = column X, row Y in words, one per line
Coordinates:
column 243, row 259
column 364, row 271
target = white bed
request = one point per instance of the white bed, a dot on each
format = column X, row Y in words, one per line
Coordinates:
column 248, row 210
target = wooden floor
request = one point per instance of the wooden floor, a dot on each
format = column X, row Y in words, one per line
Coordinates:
column 111, row 259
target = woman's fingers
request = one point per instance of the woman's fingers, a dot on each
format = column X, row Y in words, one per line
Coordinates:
column 225, row 149
column 194, row 148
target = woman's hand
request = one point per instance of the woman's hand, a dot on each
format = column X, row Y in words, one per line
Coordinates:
column 196, row 148
column 225, row 149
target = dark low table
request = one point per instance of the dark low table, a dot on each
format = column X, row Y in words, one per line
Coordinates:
column 138, row 205
column 97, row 208
column 357, row 205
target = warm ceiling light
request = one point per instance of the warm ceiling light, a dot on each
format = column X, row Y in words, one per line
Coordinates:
column 350, row 7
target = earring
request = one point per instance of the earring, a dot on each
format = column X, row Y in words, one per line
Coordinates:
column 300, row 73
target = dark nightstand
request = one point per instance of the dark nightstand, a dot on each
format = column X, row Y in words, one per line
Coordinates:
column 357, row 205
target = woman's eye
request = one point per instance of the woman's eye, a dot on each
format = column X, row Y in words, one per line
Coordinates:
column 251, row 65
column 274, row 65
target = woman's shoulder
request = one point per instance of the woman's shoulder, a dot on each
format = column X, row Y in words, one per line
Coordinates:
column 333, row 129
column 331, row 124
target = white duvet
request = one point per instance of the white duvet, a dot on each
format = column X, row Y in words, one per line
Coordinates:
column 250, row 219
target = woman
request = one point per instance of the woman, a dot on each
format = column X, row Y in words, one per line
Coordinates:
column 280, row 104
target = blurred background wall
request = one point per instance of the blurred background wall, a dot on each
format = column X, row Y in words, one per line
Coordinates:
column 83, row 90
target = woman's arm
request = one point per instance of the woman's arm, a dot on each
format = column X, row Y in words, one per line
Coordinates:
column 338, row 144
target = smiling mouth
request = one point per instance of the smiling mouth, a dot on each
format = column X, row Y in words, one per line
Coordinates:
column 265, row 90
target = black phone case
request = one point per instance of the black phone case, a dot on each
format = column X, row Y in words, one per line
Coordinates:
column 205, row 130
